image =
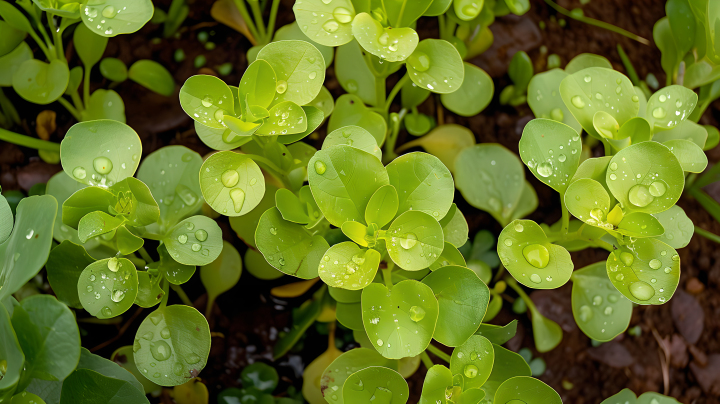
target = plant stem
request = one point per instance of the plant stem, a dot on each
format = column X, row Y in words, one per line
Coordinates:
column 144, row 254
column 240, row 4
column 273, row 17
column 565, row 216
column 437, row 352
column 74, row 112
column 632, row 73
column 209, row 306
column 708, row 235
column 395, row 91
column 426, row 360
column 380, row 93
column 183, row 296
column 387, row 276
column 514, row 285
column 257, row 13
column 166, row 293
column 597, row 23
column 27, row 141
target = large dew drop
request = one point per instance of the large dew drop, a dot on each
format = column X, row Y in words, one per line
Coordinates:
column 470, row 371
column 577, row 102
column 238, row 198
column 544, row 169
column 109, row 12
column 201, row 235
column 160, row 350
column 281, row 86
column 79, row 173
column 343, row 15
column 627, row 258
column 417, row 313
column 113, row 264
column 408, row 241
column 320, row 167
column 536, row 255
column 641, row 290
column 657, row 188
column 102, row 165
column 117, row 296
column 640, row 196
column 419, row 61
column 230, row 178
column 331, row 26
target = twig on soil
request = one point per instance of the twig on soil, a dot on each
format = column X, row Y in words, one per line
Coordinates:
column 120, row 332
column 664, row 360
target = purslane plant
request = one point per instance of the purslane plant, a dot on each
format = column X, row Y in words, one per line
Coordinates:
column 43, row 82
column 113, row 213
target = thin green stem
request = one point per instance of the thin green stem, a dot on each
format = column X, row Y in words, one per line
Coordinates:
column 240, row 4
column 437, row 352
column 183, row 296
column 257, row 13
column 71, row 109
column 209, row 306
column 273, row 17
column 144, row 254
column 166, row 293
column 426, row 360
column 380, row 92
column 57, row 37
column 514, row 285
column 400, row 14
column 86, row 87
column 565, row 216
column 603, row 244
column 708, row 235
column 395, row 91
column 387, row 276
column 27, row 141
column 441, row 26
column 597, row 23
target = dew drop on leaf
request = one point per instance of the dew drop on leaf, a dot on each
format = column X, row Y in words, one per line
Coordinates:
column 544, row 169
column 627, row 258
column 238, row 198
column 640, row 196
column 79, row 173
column 201, row 235
column 189, row 225
column 230, row 178
column 538, row 256
column 207, row 101
column 657, row 188
column 641, row 290
column 343, row 15
column 557, row 114
column 470, row 371
column 417, row 313
column 160, row 350
column 585, row 313
column 659, row 113
column 281, row 86
column 331, row 26
column 408, row 241
column 182, row 239
column 320, row 167
column 577, row 102
column 117, row 296
column 519, row 227
column 106, row 311
column 654, row 263
column 195, row 247
column 113, row 264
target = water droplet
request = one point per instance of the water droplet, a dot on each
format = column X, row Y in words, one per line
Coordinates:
column 178, row 369
column 662, row 98
column 535, row 278
column 519, row 227
column 641, row 290
column 676, row 257
column 620, row 277
column 544, row 169
column 331, row 26
column 536, row 255
column 281, row 86
column 102, row 165
column 192, row 359
column 165, row 333
column 678, row 103
column 668, row 270
column 588, row 78
column 238, row 197
column 320, row 167
column 417, row 313
column 160, row 350
column 109, row 12
column 659, row 113
column 207, row 102
column 654, row 263
column 312, row 75
column 89, row 288
column 343, row 15
column 117, row 295
column 557, row 114
column 201, row 235
column 106, row 312
column 608, row 310
column 657, row 188
column 196, row 247
column 562, row 158
column 627, row 259
column 182, row 239
column 612, row 298
column 408, row 241
column 585, row 313
column 419, row 61
column 383, row 38
column 273, row 231
column 613, row 177
column 597, row 300
column 379, row 342
column 640, row 196
column 92, row 278
column 113, row 264
column 470, row 371
column 508, row 242
column 635, row 98
column 230, row 178
column 79, row 173
column 577, row 102
column 352, row 86
column 613, row 166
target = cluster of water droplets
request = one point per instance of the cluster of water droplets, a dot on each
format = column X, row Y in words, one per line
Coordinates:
column 550, row 168
column 287, row 119
column 580, row 102
column 113, row 280
column 646, row 189
column 333, row 20
column 601, row 305
column 666, row 104
column 203, row 110
column 194, row 237
column 350, row 272
column 537, row 255
column 181, row 193
column 641, row 290
column 471, row 370
column 161, row 350
column 105, row 17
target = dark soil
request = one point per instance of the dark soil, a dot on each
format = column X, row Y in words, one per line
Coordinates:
column 247, row 319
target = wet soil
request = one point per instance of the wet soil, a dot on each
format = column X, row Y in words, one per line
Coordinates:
column 247, row 320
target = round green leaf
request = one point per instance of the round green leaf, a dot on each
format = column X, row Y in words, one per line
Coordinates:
column 399, row 322
column 438, row 382
column 587, row 200
column 105, row 104
column 473, row 361
column 646, row 271
column 353, row 73
column 692, row 158
column 436, row 65
column 545, row 101
column 526, row 389
column 89, row 46
column 255, row 263
column 292, row 31
column 491, row 178
column 113, row 69
column 474, row 94
column 383, row 206
column 350, row 110
column 449, row 256
column 26, row 398
column 328, row 23
column 222, row 274
column 455, row 227
column 288, row 246
column 399, row 15
column 347, row 266
column 258, row 84
column 115, row 17
column 585, row 60
column 354, row 136
column 414, row 240
column 285, row 118
column 231, row 183
column 423, row 184
column 391, row 44
column 333, row 379
column 551, row 150
column 375, row 383
column 153, row 76
column 300, row 70
column 25, row 252
column 207, row 99
column 196, row 240
column 64, row 266
column 462, row 298
column 600, row 311
column 107, row 288
column 11, row 62
column 333, row 175
column 640, row 224
column 171, row 173
column 599, row 89
column 90, row 153
column 40, row 82
column 149, row 290
column 523, row 241
column 645, row 177
column 172, row 345
column 678, row 227
column 13, row 38
column 670, row 106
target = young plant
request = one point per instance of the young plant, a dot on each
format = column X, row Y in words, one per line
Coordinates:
column 624, row 202
column 627, row 396
column 114, row 213
column 43, row 82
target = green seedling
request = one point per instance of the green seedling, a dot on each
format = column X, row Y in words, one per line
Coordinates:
column 44, row 82
column 623, row 202
column 106, row 212
column 520, row 72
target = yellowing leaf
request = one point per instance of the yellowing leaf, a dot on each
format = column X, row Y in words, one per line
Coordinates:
column 192, row 392
column 313, row 374
column 293, row 289
column 46, row 124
